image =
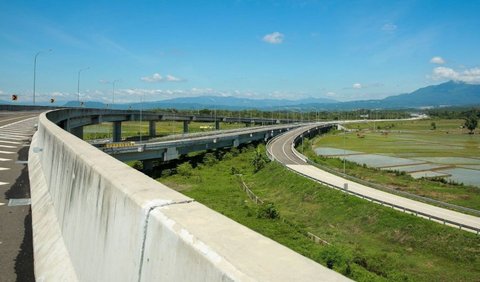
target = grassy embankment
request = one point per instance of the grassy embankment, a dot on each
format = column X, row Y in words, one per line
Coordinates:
column 368, row 242
column 408, row 139
column 133, row 128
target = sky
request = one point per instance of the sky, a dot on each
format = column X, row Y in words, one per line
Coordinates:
column 156, row 50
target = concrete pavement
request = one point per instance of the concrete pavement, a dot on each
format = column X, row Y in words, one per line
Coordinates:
column 16, row 259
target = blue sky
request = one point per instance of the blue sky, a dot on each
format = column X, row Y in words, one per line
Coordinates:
column 344, row 50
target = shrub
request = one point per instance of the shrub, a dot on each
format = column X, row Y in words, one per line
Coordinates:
column 185, row 169
column 209, row 159
column 166, row 172
column 268, row 211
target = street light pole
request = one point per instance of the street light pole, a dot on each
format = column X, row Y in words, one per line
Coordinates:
column 113, row 92
column 78, row 84
column 35, row 72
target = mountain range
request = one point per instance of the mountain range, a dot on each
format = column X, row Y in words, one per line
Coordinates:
column 450, row 93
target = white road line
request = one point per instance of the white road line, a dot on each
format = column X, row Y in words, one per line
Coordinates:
column 4, row 183
column 10, row 142
column 4, row 160
column 7, row 152
column 8, row 138
column 17, row 122
column 4, row 168
column 18, row 132
column 7, row 146
column 14, row 135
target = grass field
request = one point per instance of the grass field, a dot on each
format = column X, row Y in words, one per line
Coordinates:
column 368, row 242
column 132, row 129
column 407, row 139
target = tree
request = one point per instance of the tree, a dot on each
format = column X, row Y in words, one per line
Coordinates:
column 471, row 122
column 433, row 125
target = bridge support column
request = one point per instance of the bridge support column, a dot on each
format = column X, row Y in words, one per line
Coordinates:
column 217, row 125
column 77, row 131
column 152, row 128
column 185, row 126
column 117, row 131
column 147, row 165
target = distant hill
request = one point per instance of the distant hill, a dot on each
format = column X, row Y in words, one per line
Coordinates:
column 446, row 94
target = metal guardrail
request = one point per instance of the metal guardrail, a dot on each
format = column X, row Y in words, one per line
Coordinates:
column 398, row 207
column 397, row 192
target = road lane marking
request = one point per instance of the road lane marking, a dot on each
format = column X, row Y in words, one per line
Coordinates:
column 19, row 202
column 4, row 168
column 4, row 183
column 7, row 146
column 4, row 160
column 10, row 142
column 7, row 152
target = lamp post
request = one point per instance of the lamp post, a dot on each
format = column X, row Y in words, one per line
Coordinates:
column 35, row 72
column 78, row 84
column 113, row 91
column 141, row 110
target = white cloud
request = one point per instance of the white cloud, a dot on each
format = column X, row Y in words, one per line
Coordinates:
column 156, row 77
column 274, row 38
column 437, row 60
column 389, row 27
column 469, row 75
column 172, row 78
column 356, row 86
column 331, row 94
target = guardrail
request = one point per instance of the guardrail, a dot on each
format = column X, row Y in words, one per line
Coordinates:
column 383, row 203
column 396, row 192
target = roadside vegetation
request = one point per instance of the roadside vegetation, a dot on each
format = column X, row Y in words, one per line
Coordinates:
column 362, row 240
column 408, row 139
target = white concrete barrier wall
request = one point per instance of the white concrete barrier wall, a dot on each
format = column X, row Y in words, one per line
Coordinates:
column 104, row 221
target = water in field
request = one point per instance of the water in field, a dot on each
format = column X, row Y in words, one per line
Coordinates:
column 459, row 169
column 463, row 175
column 324, row 151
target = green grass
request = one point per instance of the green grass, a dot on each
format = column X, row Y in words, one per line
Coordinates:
column 133, row 129
column 406, row 139
column 368, row 242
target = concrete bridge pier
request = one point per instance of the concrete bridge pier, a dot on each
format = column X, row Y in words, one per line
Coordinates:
column 147, row 165
column 217, row 125
column 117, row 131
column 185, row 126
column 77, row 131
column 152, row 128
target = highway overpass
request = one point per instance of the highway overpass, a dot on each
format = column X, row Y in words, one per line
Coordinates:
column 96, row 219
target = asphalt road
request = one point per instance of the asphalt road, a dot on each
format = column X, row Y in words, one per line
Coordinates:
column 16, row 253
column 281, row 149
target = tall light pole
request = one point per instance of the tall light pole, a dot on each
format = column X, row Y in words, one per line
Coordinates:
column 35, row 72
column 113, row 91
column 141, row 110
column 78, row 84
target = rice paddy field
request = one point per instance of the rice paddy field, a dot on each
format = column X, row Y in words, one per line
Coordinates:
column 445, row 154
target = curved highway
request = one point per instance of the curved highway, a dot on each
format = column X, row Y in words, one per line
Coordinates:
column 282, row 150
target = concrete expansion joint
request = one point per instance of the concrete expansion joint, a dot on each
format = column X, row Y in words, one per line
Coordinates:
column 145, row 229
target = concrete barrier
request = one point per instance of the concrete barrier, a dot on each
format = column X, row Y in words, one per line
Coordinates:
column 96, row 219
